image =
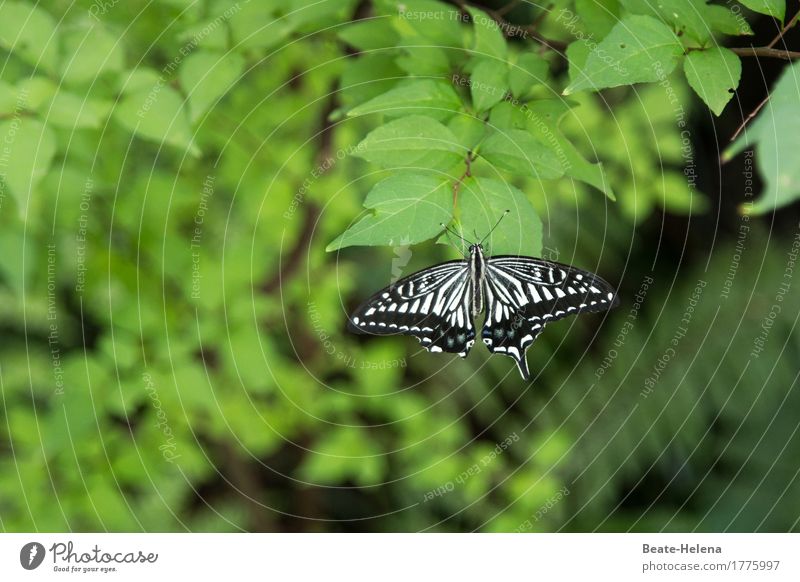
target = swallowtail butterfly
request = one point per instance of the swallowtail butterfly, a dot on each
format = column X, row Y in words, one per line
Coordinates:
column 520, row 295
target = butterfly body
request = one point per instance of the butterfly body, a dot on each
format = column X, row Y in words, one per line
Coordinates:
column 519, row 295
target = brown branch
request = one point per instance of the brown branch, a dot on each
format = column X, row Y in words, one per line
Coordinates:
column 779, row 36
column 765, row 51
column 749, row 117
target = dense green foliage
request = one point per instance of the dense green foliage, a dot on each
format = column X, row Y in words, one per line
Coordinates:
column 172, row 345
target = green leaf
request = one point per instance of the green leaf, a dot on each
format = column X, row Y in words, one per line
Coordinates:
column 714, row 75
column 686, row 17
column 530, row 70
column 694, row 18
column 423, row 96
column 518, row 151
column 90, row 51
column 140, row 79
column 30, row 33
column 639, row 49
column 8, row 98
column 409, row 208
column 254, row 25
column 434, row 23
column 74, row 112
column 35, row 92
column 506, row 115
column 722, row 19
column 422, row 61
column 677, row 197
column 469, row 130
column 775, row 133
column 367, row 77
column 544, row 118
column 157, row 115
column 28, row 150
column 599, row 16
column 774, row 8
column 488, row 84
column 370, row 34
column 577, row 55
column 489, row 39
column 482, row 201
column 205, row 76
column 415, row 140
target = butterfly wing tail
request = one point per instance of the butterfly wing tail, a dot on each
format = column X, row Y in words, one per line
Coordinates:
column 522, row 366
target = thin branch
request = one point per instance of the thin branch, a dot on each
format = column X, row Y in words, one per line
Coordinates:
column 765, row 51
column 781, row 54
column 779, row 36
column 749, row 117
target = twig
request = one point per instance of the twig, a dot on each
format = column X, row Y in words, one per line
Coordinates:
column 749, row 117
column 779, row 36
column 765, row 51
column 771, row 52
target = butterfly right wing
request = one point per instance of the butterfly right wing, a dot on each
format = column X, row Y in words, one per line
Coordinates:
column 432, row 305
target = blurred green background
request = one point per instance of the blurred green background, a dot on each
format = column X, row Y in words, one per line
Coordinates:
column 173, row 352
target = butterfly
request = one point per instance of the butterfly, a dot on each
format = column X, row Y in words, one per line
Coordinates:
column 520, row 295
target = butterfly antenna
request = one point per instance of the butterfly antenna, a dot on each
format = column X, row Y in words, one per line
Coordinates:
column 450, row 231
column 496, row 224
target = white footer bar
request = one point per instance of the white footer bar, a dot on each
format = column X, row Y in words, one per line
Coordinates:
column 401, row 557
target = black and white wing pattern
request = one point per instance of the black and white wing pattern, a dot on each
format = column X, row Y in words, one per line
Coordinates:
column 432, row 305
column 524, row 294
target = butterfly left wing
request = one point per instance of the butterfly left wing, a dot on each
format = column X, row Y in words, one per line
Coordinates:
column 524, row 294
column 432, row 305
